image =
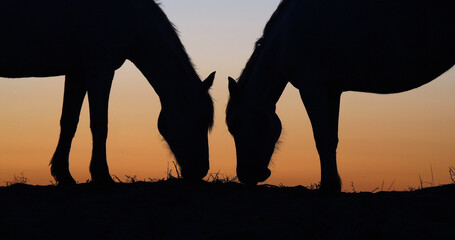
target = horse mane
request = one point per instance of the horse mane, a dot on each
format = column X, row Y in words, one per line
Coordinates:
column 259, row 43
column 175, row 34
column 257, row 48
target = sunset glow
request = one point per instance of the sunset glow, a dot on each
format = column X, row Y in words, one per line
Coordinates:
column 386, row 141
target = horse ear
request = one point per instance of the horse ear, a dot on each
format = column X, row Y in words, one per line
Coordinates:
column 208, row 82
column 232, row 86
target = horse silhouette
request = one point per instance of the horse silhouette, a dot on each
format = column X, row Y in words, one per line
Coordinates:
column 87, row 41
column 327, row 47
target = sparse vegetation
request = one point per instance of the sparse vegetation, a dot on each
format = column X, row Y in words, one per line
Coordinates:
column 174, row 173
column 353, row 188
column 314, row 186
column 452, row 174
column 18, row 179
column 220, row 209
column 220, row 178
column 374, row 190
column 391, row 185
column 170, row 174
column 157, row 207
column 129, row 179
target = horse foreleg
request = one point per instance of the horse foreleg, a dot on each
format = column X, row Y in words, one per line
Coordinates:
column 73, row 98
column 99, row 86
column 323, row 106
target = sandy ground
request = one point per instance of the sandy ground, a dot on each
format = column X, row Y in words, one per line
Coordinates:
column 174, row 209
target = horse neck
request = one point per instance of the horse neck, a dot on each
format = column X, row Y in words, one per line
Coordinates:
column 263, row 82
column 266, row 90
column 172, row 81
column 162, row 59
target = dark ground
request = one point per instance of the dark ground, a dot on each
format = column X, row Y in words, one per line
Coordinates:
column 174, row 209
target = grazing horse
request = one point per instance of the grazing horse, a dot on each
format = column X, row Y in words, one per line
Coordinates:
column 324, row 48
column 87, row 41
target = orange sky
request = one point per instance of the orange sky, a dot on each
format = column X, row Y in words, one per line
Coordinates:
column 383, row 138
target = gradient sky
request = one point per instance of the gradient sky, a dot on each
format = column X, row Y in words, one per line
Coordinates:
column 386, row 141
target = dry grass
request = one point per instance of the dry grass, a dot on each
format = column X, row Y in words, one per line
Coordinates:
column 174, row 209
column 170, row 174
column 174, row 173
column 128, row 179
column 452, row 174
column 18, row 179
column 314, row 186
column 220, row 178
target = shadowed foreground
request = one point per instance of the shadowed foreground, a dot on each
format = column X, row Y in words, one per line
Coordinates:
column 173, row 209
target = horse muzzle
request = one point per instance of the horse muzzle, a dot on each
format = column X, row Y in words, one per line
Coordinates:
column 253, row 177
column 194, row 173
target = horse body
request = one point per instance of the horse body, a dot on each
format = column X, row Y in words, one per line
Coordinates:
column 370, row 46
column 59, row 37
column 87, row 41
column 325, row 48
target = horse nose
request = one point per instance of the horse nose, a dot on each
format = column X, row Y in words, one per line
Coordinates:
column 265, row 175
column 247, row 180
column 251, row 177
column 194, row 171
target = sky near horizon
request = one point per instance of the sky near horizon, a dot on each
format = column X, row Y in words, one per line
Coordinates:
column 386, row 141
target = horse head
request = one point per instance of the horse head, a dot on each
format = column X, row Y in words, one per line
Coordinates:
column 256, row 132
column 185, row 128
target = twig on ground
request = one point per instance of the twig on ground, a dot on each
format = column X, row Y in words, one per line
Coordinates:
column 353, row 188
column 391, row 185
column 131, row 179
column 421, row 183
column 117, row 178
column 452, row 174
column 176, row 169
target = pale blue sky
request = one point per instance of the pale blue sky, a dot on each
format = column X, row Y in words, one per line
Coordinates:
column 216, row 32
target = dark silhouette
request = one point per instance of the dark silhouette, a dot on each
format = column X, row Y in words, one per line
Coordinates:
column 327, row 47
column 223, row 211
column 87, row 41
